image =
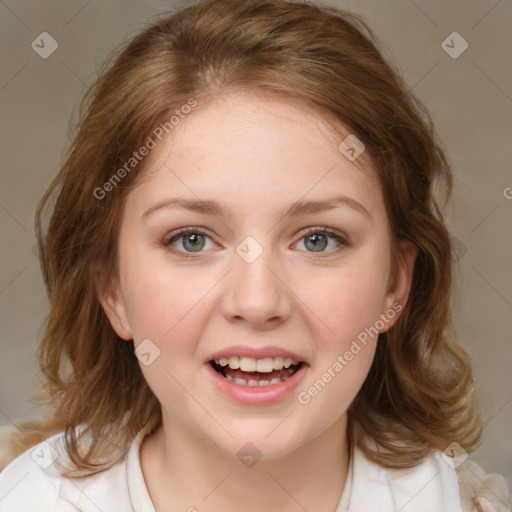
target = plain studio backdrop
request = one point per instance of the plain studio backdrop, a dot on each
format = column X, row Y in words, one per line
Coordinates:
column 454, row 55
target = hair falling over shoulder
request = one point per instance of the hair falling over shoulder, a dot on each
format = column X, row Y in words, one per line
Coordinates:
column 419, row 394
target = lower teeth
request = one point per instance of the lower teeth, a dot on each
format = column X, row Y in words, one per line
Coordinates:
column 249, row 380
column 254, row 382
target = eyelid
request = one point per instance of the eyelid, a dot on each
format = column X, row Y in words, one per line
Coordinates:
column 334, row 233
column 184, row 231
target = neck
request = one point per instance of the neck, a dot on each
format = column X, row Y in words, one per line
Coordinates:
column 192, row 474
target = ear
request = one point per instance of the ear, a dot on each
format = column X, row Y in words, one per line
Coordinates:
column 400, row 281
column 109, row 294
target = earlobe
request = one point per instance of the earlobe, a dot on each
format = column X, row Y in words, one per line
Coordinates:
column 110, row 298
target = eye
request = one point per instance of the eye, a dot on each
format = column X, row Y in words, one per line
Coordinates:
column 317, row 239
column 192, row 240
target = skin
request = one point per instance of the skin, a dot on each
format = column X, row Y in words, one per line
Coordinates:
column 254, row 155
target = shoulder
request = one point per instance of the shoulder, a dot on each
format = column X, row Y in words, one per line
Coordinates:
column 32, row 482
column 480, row 490
column 441, row 481
column 29, row 482
column 427, row 486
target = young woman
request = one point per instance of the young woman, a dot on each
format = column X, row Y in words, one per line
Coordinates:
column 249, row 276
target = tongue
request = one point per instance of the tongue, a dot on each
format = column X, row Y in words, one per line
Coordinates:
column 239, row 374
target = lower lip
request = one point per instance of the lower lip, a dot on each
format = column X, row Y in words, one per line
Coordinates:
column 257, row 395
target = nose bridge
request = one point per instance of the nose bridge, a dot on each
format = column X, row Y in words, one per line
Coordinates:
column 256, row 292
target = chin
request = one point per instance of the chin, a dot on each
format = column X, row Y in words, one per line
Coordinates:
column 261, row 440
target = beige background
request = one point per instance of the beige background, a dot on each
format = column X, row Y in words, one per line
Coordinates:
column 470, row 98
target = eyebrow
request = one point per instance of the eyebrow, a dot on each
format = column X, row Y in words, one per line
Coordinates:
column 207, row 207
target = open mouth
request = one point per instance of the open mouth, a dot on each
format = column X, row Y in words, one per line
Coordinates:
column 245, row 371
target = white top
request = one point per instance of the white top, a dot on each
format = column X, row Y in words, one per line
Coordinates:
column 31, row 483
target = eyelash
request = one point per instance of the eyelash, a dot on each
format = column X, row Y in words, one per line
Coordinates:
column 344, row 243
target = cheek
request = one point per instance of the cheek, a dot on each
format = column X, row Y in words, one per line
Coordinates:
column 168, row 308
column 346, row 306
column 160, row 300
column 347, row 301
column 343, row 330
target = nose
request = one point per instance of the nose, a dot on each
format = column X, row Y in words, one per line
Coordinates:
column 256, row 293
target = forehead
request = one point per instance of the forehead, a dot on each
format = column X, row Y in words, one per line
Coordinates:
column 243, row 146
column 259, row 120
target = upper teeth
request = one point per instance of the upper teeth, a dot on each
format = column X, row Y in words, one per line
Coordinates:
column 248, row 364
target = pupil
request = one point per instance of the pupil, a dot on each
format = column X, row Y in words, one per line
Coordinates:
column 196, row 241
column 317, row 243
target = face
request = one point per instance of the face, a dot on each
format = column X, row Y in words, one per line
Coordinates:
column 284, row 272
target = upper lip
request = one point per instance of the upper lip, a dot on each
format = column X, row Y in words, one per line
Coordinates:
column 256, row 353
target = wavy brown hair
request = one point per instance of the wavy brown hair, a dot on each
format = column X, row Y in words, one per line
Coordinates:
column 419, row 393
